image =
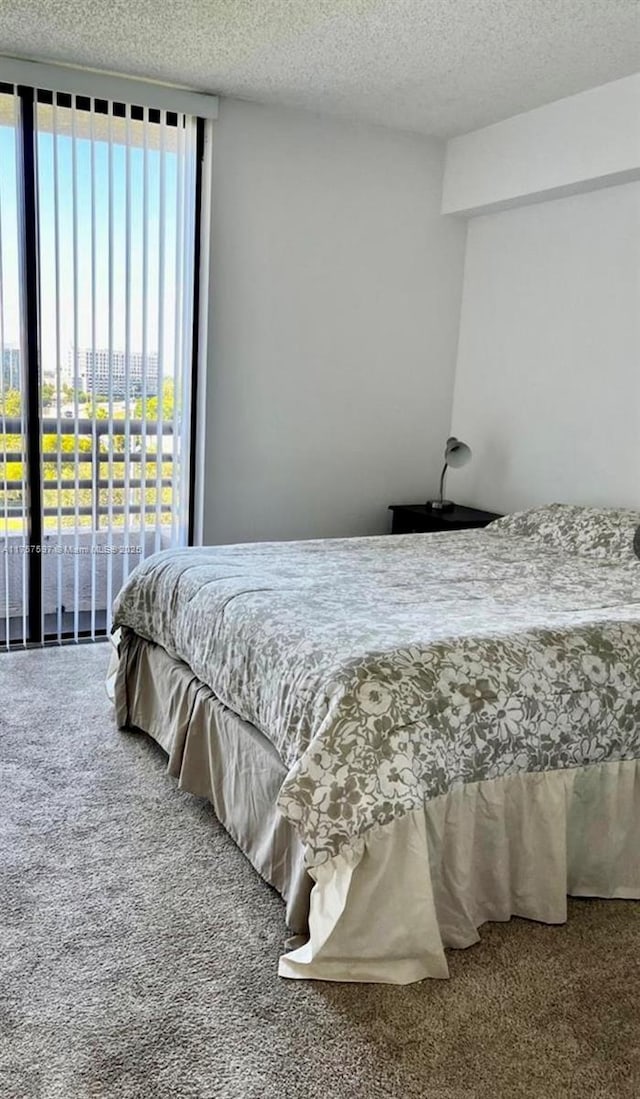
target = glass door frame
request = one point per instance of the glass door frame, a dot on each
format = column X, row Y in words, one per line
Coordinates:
column 28, row 96
column 31, row 343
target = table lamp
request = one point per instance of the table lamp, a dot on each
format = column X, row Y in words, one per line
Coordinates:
column 456, row 454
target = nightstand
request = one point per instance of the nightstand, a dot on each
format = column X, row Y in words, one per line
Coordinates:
column 418, row 518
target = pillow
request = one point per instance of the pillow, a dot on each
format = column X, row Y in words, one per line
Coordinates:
column 605, row 533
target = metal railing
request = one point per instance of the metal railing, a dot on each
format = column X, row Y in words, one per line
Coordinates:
column 104, row 438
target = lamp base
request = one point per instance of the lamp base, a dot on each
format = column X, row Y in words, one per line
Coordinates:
column 440, row 505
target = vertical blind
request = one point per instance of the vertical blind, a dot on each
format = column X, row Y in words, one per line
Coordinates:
column 117, row 192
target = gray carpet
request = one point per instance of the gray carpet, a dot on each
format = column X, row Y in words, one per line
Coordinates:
column 139, row 948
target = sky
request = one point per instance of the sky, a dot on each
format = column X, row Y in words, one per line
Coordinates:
column 74, row 284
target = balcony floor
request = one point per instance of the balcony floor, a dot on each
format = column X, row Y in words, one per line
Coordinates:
column 51, row 626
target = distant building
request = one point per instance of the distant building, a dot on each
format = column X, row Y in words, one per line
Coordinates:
column 103, row 372
column 11, row 368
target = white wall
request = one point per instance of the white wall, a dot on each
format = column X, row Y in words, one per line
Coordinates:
column 585, row 141
column 336, row 293
column 547, row 388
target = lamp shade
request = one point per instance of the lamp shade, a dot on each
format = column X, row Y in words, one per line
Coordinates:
column 456, row 453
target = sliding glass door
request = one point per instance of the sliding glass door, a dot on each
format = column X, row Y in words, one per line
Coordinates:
column 106, row 362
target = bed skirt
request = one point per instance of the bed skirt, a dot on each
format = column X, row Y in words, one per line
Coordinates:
column 215, row 755
column 386, row 910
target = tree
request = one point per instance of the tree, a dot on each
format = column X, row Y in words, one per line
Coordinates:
column 152, row 404
column 10, row 403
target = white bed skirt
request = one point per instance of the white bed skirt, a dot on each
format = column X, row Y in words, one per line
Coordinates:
column 513, row 846
column 385, row 912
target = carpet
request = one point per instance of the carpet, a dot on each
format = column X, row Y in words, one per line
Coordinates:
column 139, row 948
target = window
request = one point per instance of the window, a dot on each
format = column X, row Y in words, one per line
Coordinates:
column 99, row 263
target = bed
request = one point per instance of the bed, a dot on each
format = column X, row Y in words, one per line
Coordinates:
column 407, row 735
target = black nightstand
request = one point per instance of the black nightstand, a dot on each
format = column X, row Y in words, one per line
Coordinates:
column 418, row 518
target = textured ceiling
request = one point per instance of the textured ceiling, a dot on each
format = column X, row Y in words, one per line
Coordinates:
column 437, row 66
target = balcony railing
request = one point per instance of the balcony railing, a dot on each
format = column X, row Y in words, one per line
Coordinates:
column 115, row 461
column 111, row 493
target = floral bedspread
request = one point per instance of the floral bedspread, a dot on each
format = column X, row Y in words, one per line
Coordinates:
column 388, row 670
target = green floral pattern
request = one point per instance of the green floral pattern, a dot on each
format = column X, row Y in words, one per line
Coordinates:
column 387, row 671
